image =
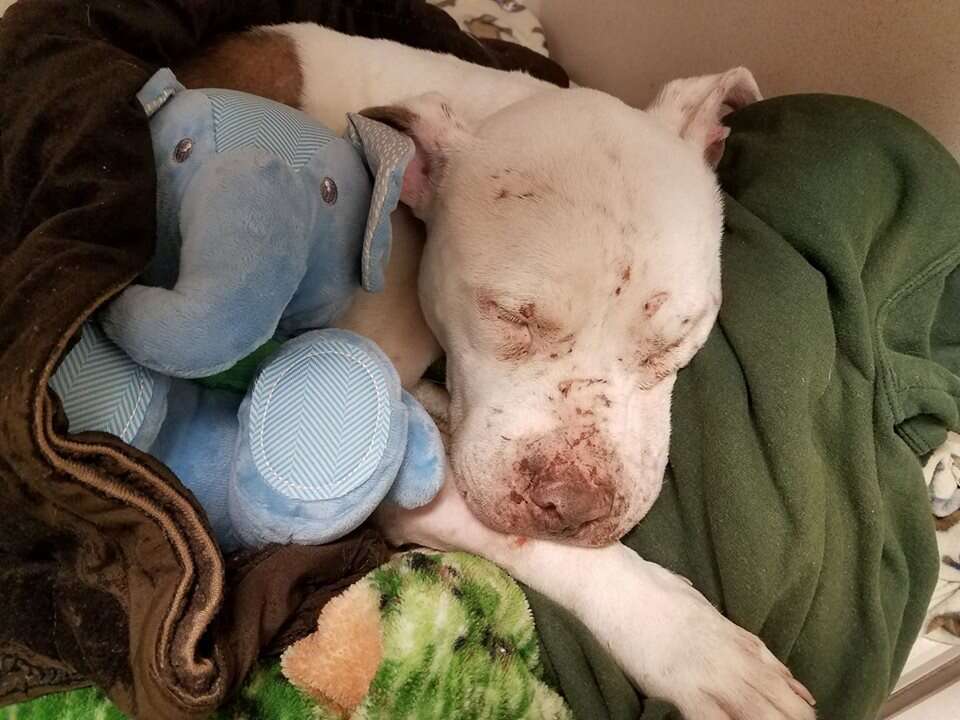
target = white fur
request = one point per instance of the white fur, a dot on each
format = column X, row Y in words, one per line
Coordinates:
column 593, row 188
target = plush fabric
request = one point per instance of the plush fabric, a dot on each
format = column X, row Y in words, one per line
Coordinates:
column 795, row 498
column 477, row 657
column 267, row 224
column 477, row 660
column 325, row 434
column 102, row 389
column 109, row 570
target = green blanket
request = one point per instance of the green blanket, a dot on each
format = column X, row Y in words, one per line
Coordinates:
column 794, row 497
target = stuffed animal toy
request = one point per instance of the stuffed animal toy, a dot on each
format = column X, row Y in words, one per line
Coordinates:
column 424, row 637
column 427, row 635
column 267, row 226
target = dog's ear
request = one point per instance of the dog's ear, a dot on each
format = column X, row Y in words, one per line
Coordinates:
column 695, row 107
column 436, row 131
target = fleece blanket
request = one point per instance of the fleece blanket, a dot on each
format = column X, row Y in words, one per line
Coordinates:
column 794, row 497
column 109, row 573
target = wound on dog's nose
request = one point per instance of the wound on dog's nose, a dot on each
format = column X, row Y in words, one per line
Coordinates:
column 564, row 490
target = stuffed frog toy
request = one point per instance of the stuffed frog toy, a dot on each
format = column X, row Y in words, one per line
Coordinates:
column 268, row 224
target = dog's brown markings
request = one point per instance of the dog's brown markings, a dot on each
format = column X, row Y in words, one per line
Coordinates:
column 260, row 62
column 604, row 399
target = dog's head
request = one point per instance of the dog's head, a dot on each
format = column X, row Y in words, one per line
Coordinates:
column 572, row 268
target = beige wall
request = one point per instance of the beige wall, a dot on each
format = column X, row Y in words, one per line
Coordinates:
column 905, row 53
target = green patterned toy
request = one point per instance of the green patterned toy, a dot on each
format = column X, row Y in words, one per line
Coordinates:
column 427, row 636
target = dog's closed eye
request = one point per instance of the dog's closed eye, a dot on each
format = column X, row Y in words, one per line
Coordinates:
column 520, row 329
column 514, row 317
column 507, row 327
column 514, row 336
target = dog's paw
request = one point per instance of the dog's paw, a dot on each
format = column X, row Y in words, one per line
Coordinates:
column 707, row 666
column 731, row 675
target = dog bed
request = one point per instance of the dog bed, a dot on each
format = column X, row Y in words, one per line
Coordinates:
column 794, row 497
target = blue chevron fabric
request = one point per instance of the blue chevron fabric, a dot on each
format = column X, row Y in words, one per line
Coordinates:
column 320, row 418
column 323, row 432
column 323, row 435
column 102, row 389
column 242, row 120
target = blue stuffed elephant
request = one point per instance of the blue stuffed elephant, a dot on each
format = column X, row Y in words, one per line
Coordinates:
column 268, row 224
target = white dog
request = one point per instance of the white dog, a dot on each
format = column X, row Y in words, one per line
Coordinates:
column 571, row 268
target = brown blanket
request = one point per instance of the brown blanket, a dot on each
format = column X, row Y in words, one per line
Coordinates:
column 107, row 567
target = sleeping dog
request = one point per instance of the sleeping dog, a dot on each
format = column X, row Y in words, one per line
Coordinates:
column 571, row 268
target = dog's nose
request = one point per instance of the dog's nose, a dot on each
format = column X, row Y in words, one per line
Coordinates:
column 571, row 497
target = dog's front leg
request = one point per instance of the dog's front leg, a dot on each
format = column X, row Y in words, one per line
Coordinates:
column 666, row 636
